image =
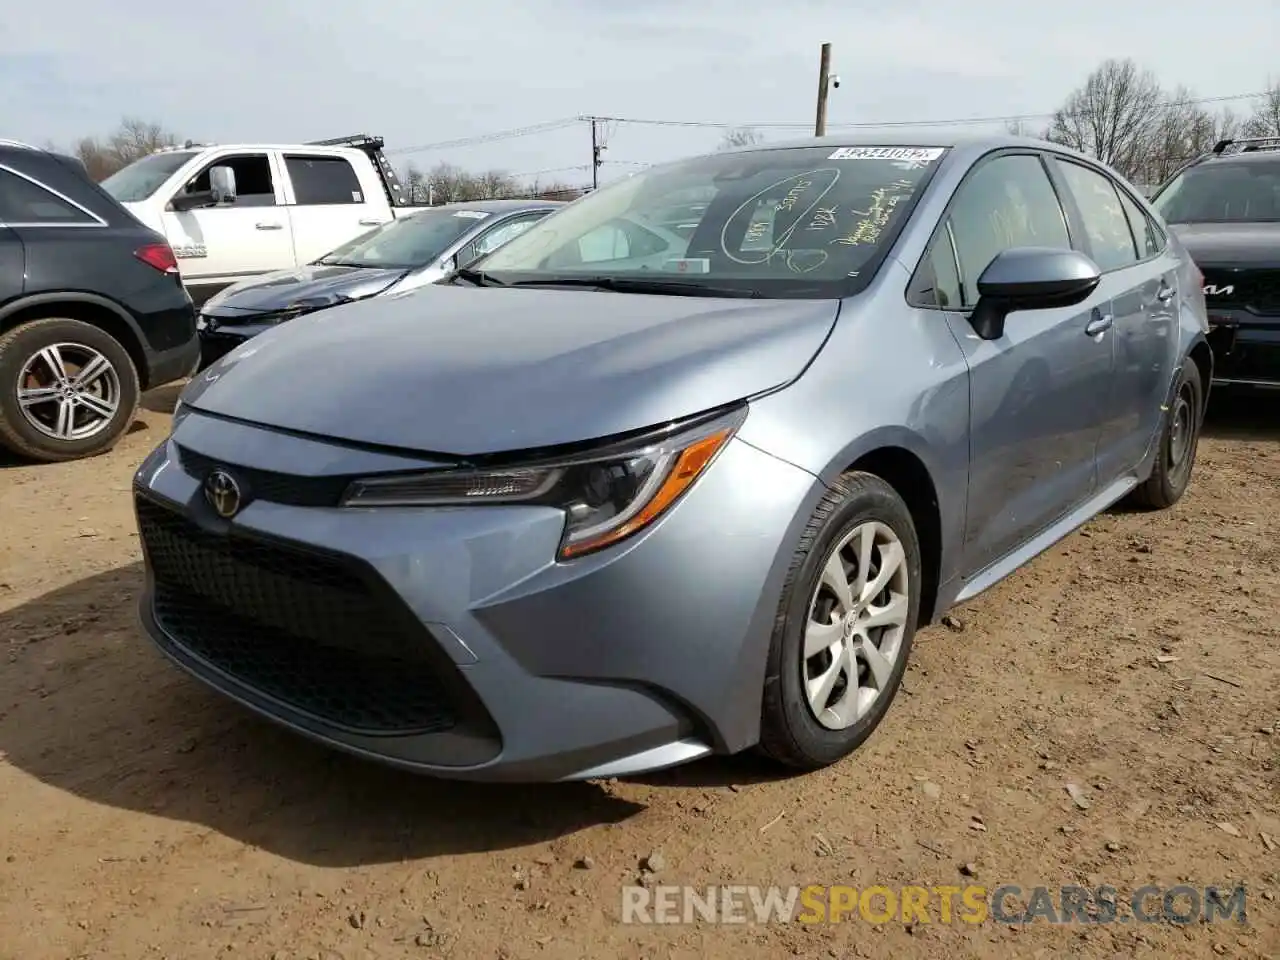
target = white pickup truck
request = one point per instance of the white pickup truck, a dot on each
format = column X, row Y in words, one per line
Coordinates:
column 238, row 210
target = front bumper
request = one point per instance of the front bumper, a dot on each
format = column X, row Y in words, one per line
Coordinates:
column 1246, row 349
column 449, row 641
column 218, row 340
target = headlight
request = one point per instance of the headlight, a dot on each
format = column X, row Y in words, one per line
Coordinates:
column 607, row 494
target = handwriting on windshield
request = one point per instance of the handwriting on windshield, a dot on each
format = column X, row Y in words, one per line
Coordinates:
column 802, row 192
column 872, row 221
column 791, row 216
column 824, row 218
column 788, row 202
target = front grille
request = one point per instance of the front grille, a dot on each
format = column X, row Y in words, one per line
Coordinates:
column 1256, row 290
column 304, row 628
column 269, row 485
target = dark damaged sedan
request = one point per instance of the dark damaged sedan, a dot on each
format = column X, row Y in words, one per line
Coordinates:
column 401, row 255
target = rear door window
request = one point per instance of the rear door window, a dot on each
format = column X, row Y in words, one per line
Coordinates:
column 323, row 181
column 1147, row 234
column 1105, row 222
column 25, row 202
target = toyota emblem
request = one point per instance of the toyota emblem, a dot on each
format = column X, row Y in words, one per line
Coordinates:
column 223, row 493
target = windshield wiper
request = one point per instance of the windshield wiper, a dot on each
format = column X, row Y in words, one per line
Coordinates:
column 478, row 277
column 326, row 262
column 673, row 288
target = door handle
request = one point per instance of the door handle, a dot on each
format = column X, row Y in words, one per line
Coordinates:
column 1100, row 324
column 372, row 222
column 1165, row 293
column 267, row 226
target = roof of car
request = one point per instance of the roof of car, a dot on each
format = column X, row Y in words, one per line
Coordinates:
column 496, row 206
column 941, row 137
column 1251, row 156
column 14, row 149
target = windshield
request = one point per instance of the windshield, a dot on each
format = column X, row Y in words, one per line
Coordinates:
column 813, row 221
column 144, row 177
column 408, row 242
column 1247, row 192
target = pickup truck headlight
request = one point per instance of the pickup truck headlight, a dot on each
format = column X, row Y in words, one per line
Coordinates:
column 607, row 495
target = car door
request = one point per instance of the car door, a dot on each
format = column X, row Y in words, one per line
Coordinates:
column 498, row 234
column 12, row 260
column 1036, row 393
column 328, row 205
column 1140, row 278
column 219, row 245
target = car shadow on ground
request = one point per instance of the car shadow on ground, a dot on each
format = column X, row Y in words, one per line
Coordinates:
column 89, row 707
column 1239, row 415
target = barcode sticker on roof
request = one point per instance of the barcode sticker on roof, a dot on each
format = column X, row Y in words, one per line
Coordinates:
column 471, row 214
column 915, row 155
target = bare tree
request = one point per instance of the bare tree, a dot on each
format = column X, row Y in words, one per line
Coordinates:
column 1112, row 116
column 448, row 183
column 740, row 137
column 1265, row 121
column 133, row 140
column 1183, row 130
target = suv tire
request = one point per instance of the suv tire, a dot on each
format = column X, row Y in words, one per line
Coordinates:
column 46, row 413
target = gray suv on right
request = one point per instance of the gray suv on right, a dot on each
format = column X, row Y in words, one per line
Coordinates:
column 622, row 495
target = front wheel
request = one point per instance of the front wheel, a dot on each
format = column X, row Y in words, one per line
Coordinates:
column 845, row 625
column 67, row 390
column 1179, row 438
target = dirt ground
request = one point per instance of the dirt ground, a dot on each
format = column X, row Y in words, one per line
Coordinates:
column 1139, row 661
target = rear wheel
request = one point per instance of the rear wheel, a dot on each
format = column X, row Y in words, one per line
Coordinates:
column 844, row 627
column 1179, row 438
column 67, row 390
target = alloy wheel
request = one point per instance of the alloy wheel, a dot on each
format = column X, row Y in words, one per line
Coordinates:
column 69, row 391
column 856, row 625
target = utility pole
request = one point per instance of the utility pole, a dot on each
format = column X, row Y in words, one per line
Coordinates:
column 596, row 150
column 824, row 84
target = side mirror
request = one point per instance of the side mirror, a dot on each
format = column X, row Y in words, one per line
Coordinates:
column 1030, row 278
column 222, row 184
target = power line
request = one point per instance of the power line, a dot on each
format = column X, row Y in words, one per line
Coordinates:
column 577, row 168
column 540, row 173
column 953, row 122
column 551, row 125
column 511, row 134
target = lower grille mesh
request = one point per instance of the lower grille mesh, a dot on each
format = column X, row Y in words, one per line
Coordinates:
column 303, row 628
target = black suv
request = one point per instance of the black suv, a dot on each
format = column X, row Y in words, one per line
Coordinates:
column 92, row 309
column 1225, row 207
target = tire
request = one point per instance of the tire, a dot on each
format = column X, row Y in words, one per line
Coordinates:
column 102, row 408
column 1179, row 438
column 792, row 731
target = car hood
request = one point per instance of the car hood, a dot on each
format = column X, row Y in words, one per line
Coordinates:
column 311, row 286
column 1235, row 244
column 468, row 371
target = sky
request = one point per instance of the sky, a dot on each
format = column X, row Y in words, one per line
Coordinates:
column 423, row 72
